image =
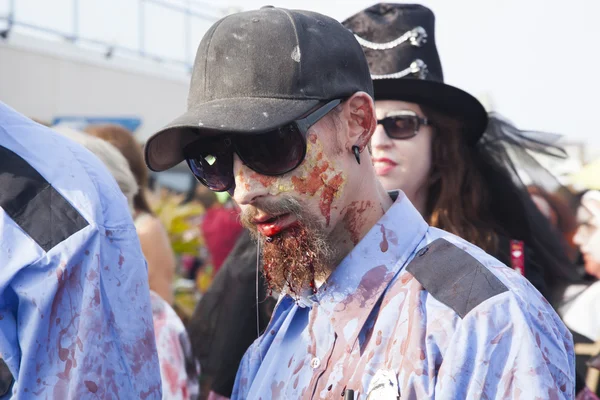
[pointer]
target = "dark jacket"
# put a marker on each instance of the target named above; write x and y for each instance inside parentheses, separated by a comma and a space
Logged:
(223, 325)
(534, 272)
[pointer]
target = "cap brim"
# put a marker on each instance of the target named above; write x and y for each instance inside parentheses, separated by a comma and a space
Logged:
(249, 115)
(445, 98)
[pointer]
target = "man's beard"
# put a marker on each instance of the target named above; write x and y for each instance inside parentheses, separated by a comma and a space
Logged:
(296, 257)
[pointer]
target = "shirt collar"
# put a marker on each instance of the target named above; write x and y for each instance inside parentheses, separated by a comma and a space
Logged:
(353, 289)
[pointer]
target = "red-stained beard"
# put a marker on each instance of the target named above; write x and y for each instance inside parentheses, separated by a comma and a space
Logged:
(297, 257)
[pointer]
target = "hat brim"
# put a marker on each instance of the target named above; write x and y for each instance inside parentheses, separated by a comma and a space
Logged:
(248, 115)
(445, 98)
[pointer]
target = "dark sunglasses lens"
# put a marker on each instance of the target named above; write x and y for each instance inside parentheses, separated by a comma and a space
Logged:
(400, 127)
(273, 153)
(212, 163)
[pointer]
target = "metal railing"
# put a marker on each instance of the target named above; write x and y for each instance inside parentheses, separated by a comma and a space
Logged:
(193, 11)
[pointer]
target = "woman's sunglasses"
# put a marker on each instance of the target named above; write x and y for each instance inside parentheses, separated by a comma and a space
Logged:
(402, 124)
(271, 153)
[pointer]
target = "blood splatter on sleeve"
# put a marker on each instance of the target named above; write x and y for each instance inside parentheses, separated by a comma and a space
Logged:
(84, 321)
(507, 349)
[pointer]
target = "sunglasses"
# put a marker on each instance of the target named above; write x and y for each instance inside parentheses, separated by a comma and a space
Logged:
(273, 153)
(402, 124)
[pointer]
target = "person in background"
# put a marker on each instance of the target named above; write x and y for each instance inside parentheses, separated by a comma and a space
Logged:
(557, 210)
(110, 156)
(153, 237)
(75, 310)
(581, 315)
(230, 316)
(587, 236)
(179, 373)
(224, 323)
(579, 308)
(430, 143)
(220, 226)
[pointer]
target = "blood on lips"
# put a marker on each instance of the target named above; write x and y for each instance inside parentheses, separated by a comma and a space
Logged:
(276, 225)
(271, 229)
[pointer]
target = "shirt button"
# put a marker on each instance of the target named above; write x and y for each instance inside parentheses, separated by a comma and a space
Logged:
(423, 251)
(315, 363)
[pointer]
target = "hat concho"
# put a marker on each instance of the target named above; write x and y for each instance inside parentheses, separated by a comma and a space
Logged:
(417, 67)
(399, 43)
(417, 36)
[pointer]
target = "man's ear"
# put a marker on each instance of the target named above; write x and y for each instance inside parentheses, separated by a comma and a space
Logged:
(359, 111)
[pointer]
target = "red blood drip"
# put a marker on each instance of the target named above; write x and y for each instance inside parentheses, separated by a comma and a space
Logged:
(331, 188)
(353, 218)
(384, 243)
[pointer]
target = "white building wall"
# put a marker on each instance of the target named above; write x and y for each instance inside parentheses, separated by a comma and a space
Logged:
(45, 79)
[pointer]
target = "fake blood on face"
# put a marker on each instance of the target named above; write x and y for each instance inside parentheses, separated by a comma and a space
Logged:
(241, 182)
(264, 180)
(311, 184)
(331, 188)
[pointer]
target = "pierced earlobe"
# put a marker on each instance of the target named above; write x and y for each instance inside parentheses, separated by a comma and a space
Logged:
(356, 151)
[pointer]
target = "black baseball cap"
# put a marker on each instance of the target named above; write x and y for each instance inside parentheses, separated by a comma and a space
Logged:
(258, 70)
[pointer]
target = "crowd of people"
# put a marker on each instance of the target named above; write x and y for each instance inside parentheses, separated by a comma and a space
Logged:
(376, 234)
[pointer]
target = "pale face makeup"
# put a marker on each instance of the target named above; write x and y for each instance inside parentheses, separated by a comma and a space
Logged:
(403, 164)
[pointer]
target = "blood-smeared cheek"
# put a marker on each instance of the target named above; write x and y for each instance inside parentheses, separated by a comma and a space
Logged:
(264, 180)
(242, 182)
(315, 180)
(274, 184)
(323, 179)
(330, 191)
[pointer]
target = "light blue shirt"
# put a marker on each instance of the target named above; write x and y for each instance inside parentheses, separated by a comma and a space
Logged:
(75, 314)
(413, 312)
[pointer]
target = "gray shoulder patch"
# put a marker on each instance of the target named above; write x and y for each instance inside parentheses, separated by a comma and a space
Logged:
(33, 204)
(454, 277)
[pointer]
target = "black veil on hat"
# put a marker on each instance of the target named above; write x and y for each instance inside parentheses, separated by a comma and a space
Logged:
(508, 158)
(399, 43)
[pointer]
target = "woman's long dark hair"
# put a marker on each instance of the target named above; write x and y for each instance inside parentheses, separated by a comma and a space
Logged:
(492, 199)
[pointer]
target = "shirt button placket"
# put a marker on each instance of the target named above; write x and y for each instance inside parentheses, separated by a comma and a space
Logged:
(315, 363)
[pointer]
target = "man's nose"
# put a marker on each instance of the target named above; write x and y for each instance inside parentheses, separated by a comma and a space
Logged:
(247, 190)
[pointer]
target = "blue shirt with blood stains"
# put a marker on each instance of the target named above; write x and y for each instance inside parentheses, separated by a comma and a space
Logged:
(76, 320)
(374, 329)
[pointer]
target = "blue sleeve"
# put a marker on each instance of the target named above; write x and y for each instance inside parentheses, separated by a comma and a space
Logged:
(81, 317)
(504, 349)
(253, 358)
(246, 373)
